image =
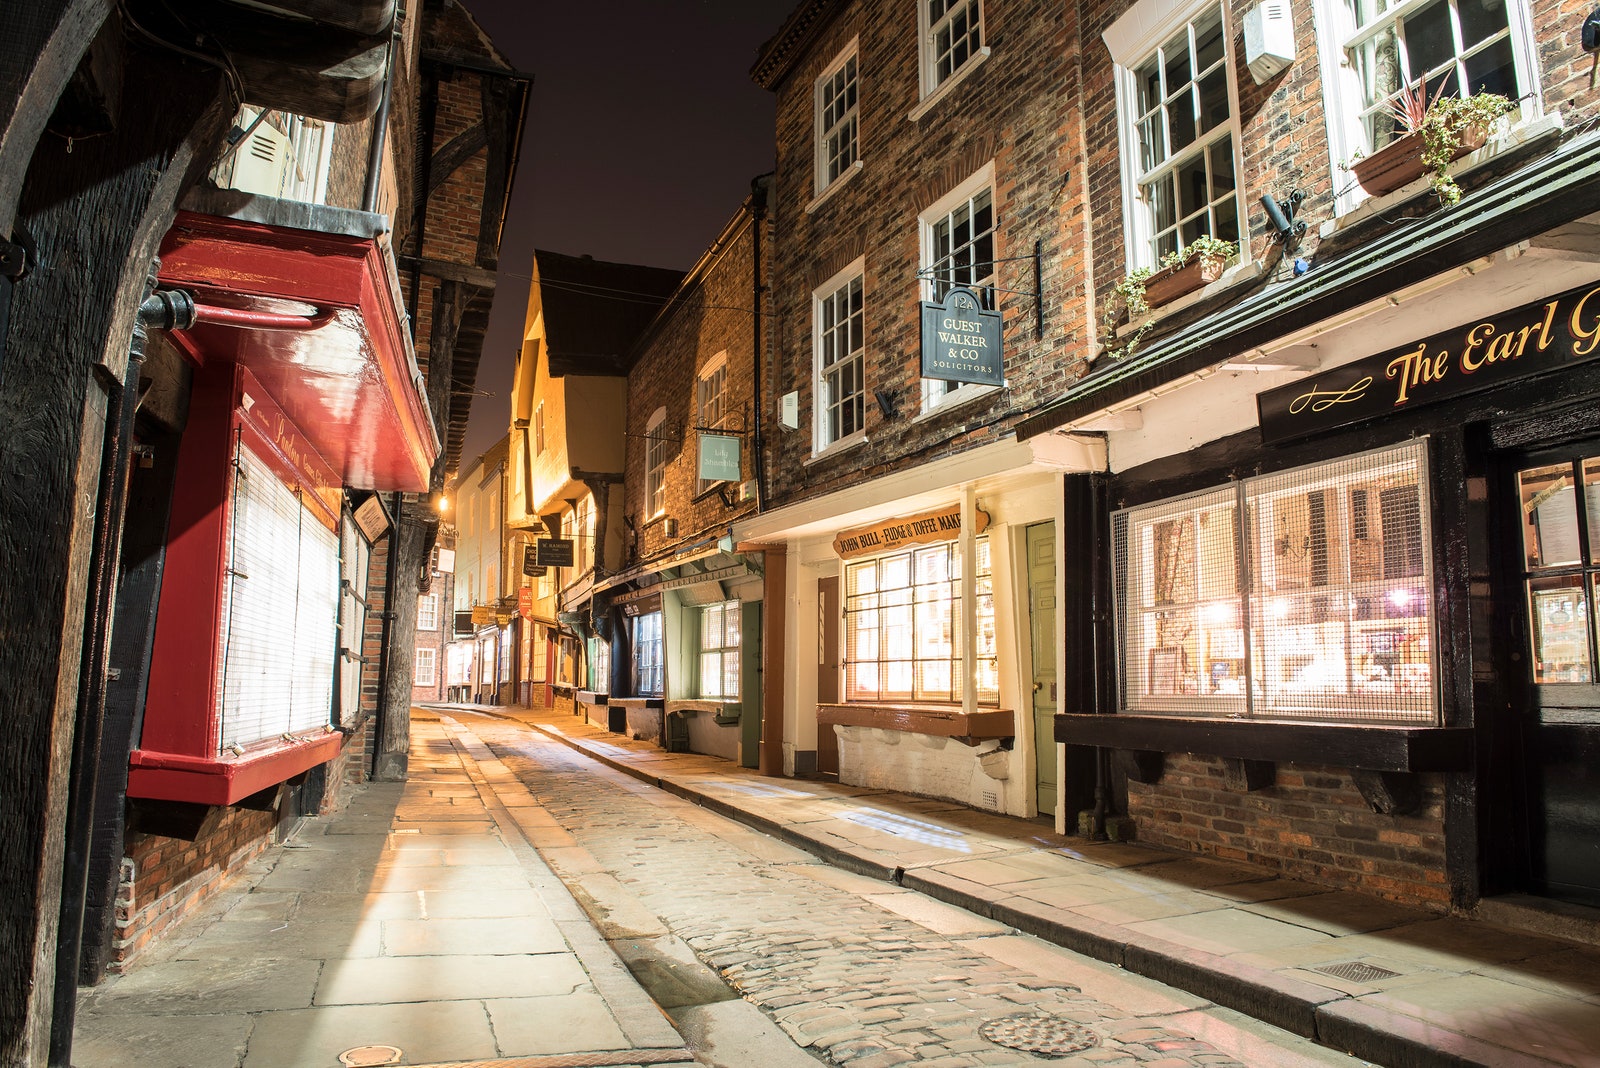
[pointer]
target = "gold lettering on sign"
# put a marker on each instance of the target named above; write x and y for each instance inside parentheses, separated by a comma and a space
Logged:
(1588, 337)
(1320, 400)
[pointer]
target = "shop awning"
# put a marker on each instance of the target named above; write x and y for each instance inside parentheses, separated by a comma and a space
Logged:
(306, 297)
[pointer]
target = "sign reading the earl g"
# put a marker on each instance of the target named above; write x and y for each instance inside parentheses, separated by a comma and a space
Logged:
(1526, 341)
(961, 341)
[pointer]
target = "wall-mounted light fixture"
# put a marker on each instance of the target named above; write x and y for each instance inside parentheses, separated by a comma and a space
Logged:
(885, 399)
(1287, 230)
(669, 528)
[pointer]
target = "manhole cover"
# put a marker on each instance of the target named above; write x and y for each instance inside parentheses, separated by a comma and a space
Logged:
(368, 1056)
(1356, 972)
(1035, 1032)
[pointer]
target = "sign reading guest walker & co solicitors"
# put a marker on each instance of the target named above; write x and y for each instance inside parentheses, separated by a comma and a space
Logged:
(1559, 332)
(941, 525)
(961, 341)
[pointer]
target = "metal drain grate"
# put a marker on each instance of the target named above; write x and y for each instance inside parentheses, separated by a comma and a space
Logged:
(1356, 972)
(1035, 1032)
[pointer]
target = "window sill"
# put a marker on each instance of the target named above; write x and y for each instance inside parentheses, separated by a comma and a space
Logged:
(960, 398)
(838, 183)
(723, 712)
(591, 697)
(930, 101)
(1360, 746)
(843, 445)
(1516, 136)
(635, 702)
(227, 780)
(936, 720)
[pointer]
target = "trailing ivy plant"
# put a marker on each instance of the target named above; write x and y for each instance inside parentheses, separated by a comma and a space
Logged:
(1443, 123)
(1128, 296)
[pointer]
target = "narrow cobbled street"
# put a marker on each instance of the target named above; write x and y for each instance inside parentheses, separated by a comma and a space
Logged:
(857, 971)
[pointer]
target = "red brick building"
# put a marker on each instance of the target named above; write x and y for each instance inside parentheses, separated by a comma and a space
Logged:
(1291, 562)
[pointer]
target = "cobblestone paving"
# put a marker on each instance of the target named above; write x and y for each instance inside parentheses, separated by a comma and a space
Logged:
(858, 985)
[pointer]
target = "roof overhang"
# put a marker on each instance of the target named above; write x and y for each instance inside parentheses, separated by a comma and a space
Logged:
(335, 355)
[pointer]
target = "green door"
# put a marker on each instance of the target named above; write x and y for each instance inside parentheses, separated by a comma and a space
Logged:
(1042, 630)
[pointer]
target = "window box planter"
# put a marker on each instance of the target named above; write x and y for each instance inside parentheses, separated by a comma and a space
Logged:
(1400, 163)
(1170, 283)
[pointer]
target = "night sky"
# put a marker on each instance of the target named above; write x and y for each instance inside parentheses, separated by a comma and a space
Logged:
(644, 131)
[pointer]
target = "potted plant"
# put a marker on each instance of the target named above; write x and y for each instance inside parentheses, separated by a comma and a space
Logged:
(1180, 272)
(1435, 133)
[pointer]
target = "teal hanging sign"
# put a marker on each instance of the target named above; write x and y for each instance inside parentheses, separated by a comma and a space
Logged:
(961, 341)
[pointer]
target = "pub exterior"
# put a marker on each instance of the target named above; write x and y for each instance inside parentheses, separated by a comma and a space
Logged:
(1349, 628)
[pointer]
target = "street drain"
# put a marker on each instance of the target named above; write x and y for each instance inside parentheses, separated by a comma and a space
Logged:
(369, 1056)
(1036, 1032)
(1356, 972)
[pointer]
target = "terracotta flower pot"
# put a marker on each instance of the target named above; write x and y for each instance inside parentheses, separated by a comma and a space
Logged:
(1399, 162)
(1170, 283)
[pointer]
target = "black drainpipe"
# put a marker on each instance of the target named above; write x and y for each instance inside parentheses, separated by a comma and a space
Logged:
(758, 212)
(111, 497)
(388, 614)
(380, 127)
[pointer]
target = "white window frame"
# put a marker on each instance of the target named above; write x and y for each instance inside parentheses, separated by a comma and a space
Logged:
(822, 298)
(1133, 39)
(876, 613)
(929, 28)
(937, 394)
(838, 142)
(711, 405)
(655, 464)
(717, 670)
(1341, 79)
(425, 670)
(428, 611)
(649, 654)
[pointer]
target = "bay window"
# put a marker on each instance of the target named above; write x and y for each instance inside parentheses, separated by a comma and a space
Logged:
(1302, 594)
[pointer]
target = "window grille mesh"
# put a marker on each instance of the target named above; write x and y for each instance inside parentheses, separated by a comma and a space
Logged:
(719, 650)
(1318, 605)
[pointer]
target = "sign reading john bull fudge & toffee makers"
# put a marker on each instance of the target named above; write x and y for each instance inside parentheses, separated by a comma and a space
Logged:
(943, 524)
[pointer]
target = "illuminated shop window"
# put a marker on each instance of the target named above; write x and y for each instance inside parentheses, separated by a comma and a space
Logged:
(1560, 514)
(647, 654)
(1304, 594)
(903, 638)
(719, 650)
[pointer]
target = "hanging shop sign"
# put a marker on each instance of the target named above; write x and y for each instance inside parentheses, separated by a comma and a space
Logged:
(482, 615)
(463, 622)
(961, 341)
(553, 552)
(530, 563)
(371, 518)
(941, 525)
(719, 458)
(525, 602)
(1526, 341)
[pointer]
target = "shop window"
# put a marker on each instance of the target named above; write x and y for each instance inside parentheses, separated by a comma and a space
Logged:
(599, 665)
(837, 120)
(958, 249)
(1303, 594)
(458, 660)
(1179, 127)
(719, 650)
(840, 359)
(424, 672)
(903, 638)
(504, 675)
(355, 554)
(647, 654)
(952, 39)
(1561, 568)
(428, 612)
(279, 630)
(1453, 47)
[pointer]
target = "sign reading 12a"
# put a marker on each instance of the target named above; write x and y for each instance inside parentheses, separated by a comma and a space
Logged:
(961, 341)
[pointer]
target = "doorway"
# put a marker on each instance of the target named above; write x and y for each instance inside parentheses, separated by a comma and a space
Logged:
(1041, 540)
(1548, 504)
(827, 670)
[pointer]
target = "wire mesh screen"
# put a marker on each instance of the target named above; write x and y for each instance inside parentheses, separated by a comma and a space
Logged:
(1302, 594)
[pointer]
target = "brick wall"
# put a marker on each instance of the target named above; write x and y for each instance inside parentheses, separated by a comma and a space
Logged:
(166, 879)
(714, 317)
(1017, 109)
(1311, 824)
